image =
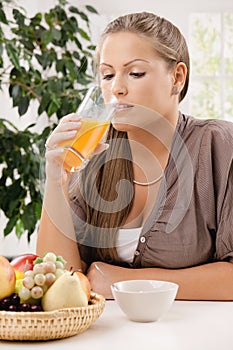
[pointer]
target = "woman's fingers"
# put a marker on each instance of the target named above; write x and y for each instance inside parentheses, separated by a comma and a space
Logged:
(57, 138)
(65, 130)
(70, 118)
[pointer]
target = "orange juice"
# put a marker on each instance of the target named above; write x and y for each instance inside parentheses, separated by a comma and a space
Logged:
(81, 147)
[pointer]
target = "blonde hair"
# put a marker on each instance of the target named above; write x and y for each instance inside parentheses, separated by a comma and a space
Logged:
(115, 164)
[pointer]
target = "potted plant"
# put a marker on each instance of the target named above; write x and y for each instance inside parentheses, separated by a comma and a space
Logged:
(46, 58)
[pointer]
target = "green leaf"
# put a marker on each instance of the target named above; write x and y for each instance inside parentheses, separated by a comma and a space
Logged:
(91, 47)
(43, 59)
(13, 55)
(91, 9)
(16, 73)
(23, 105)
(84, 16)
(10, 225)
(16, 93)
(14, 191)
(38, 261)
(52, 108)
(60, 13)
(83, 65)
(38, 210)
(61, 66)
(76, 55)
(78, 43)
(13, 205)
(74, 9)
(36, 20)
(71, 67)
(19, 228)
(72, 25)
(44, 103)
(19, 17)
(3, 17)
(27, 44)
(62, 2)
(56, 34)
(28, 217)
(84, 35)
(47, 37)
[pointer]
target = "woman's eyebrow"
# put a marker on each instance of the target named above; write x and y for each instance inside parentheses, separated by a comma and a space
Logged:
(135, 60)
(126, 64)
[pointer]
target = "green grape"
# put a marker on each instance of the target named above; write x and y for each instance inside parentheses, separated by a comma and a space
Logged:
(39, 268)
(50, 278)
(28, 282)
(29, 273)
(59, 265)
(39, 279)
(24, 293)
(50, 267)
(37, 292)
(50, 257)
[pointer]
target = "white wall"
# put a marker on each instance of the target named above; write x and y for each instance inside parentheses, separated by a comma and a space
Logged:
(177, 11)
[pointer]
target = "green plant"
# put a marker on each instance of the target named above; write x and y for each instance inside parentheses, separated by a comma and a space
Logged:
(48, 59)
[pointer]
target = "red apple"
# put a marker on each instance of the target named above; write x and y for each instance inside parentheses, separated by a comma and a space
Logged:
(7, 278)
(85, 283)
(22, 263)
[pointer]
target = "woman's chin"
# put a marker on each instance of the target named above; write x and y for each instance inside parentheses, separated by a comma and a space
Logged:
(122, 126)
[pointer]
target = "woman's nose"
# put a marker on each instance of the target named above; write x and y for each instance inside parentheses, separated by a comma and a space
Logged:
(119, 88)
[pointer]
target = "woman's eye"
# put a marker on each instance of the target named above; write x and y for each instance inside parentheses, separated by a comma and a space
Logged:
(107, 76)
(137, 74)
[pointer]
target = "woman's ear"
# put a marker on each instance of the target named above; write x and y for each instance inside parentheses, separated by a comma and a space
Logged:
(179, 78)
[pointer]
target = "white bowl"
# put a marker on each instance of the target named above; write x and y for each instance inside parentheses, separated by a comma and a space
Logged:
(144, 300)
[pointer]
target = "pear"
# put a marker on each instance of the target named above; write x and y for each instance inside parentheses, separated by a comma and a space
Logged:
(66, 291)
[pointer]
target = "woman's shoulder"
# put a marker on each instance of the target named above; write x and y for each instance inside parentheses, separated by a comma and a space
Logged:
(210, 128)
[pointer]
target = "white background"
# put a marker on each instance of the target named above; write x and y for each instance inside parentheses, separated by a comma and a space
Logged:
(177, 11)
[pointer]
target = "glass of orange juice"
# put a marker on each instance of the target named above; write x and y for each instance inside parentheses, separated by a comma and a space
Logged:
(95, 120)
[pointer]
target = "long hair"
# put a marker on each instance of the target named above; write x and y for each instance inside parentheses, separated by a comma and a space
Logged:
(107, 181)
(105, 186)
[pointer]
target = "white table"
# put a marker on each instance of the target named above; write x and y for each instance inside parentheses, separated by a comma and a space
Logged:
(190, 325)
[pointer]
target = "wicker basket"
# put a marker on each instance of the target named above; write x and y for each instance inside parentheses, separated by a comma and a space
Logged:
(50, 325)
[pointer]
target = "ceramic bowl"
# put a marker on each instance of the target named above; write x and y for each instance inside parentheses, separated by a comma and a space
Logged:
(144, 300)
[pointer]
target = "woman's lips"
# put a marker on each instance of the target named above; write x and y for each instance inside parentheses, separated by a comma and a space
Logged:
(122, 107)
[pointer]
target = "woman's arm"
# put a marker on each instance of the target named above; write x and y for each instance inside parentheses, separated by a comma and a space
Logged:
(213, 281)
(56, 231)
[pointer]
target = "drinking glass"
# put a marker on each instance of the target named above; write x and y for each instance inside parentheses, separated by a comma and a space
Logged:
(95, 119)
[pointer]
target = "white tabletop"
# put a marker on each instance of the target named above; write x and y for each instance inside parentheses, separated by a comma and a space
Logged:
(190, 325)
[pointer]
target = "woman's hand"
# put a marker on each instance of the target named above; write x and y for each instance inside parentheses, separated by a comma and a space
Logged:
(101, 284)
(65, 131)
(60, 137)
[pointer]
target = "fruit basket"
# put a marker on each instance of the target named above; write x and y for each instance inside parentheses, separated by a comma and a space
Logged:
(48, 325)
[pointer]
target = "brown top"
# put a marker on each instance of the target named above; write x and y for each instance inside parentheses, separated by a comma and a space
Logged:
(192, 220)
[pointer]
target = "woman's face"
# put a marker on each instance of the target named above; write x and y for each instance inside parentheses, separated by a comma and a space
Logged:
(131, 71)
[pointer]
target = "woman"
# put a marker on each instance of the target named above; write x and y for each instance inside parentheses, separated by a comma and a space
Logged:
(156, 204)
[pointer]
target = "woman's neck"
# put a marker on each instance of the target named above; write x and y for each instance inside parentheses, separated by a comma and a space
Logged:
(150, 148)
